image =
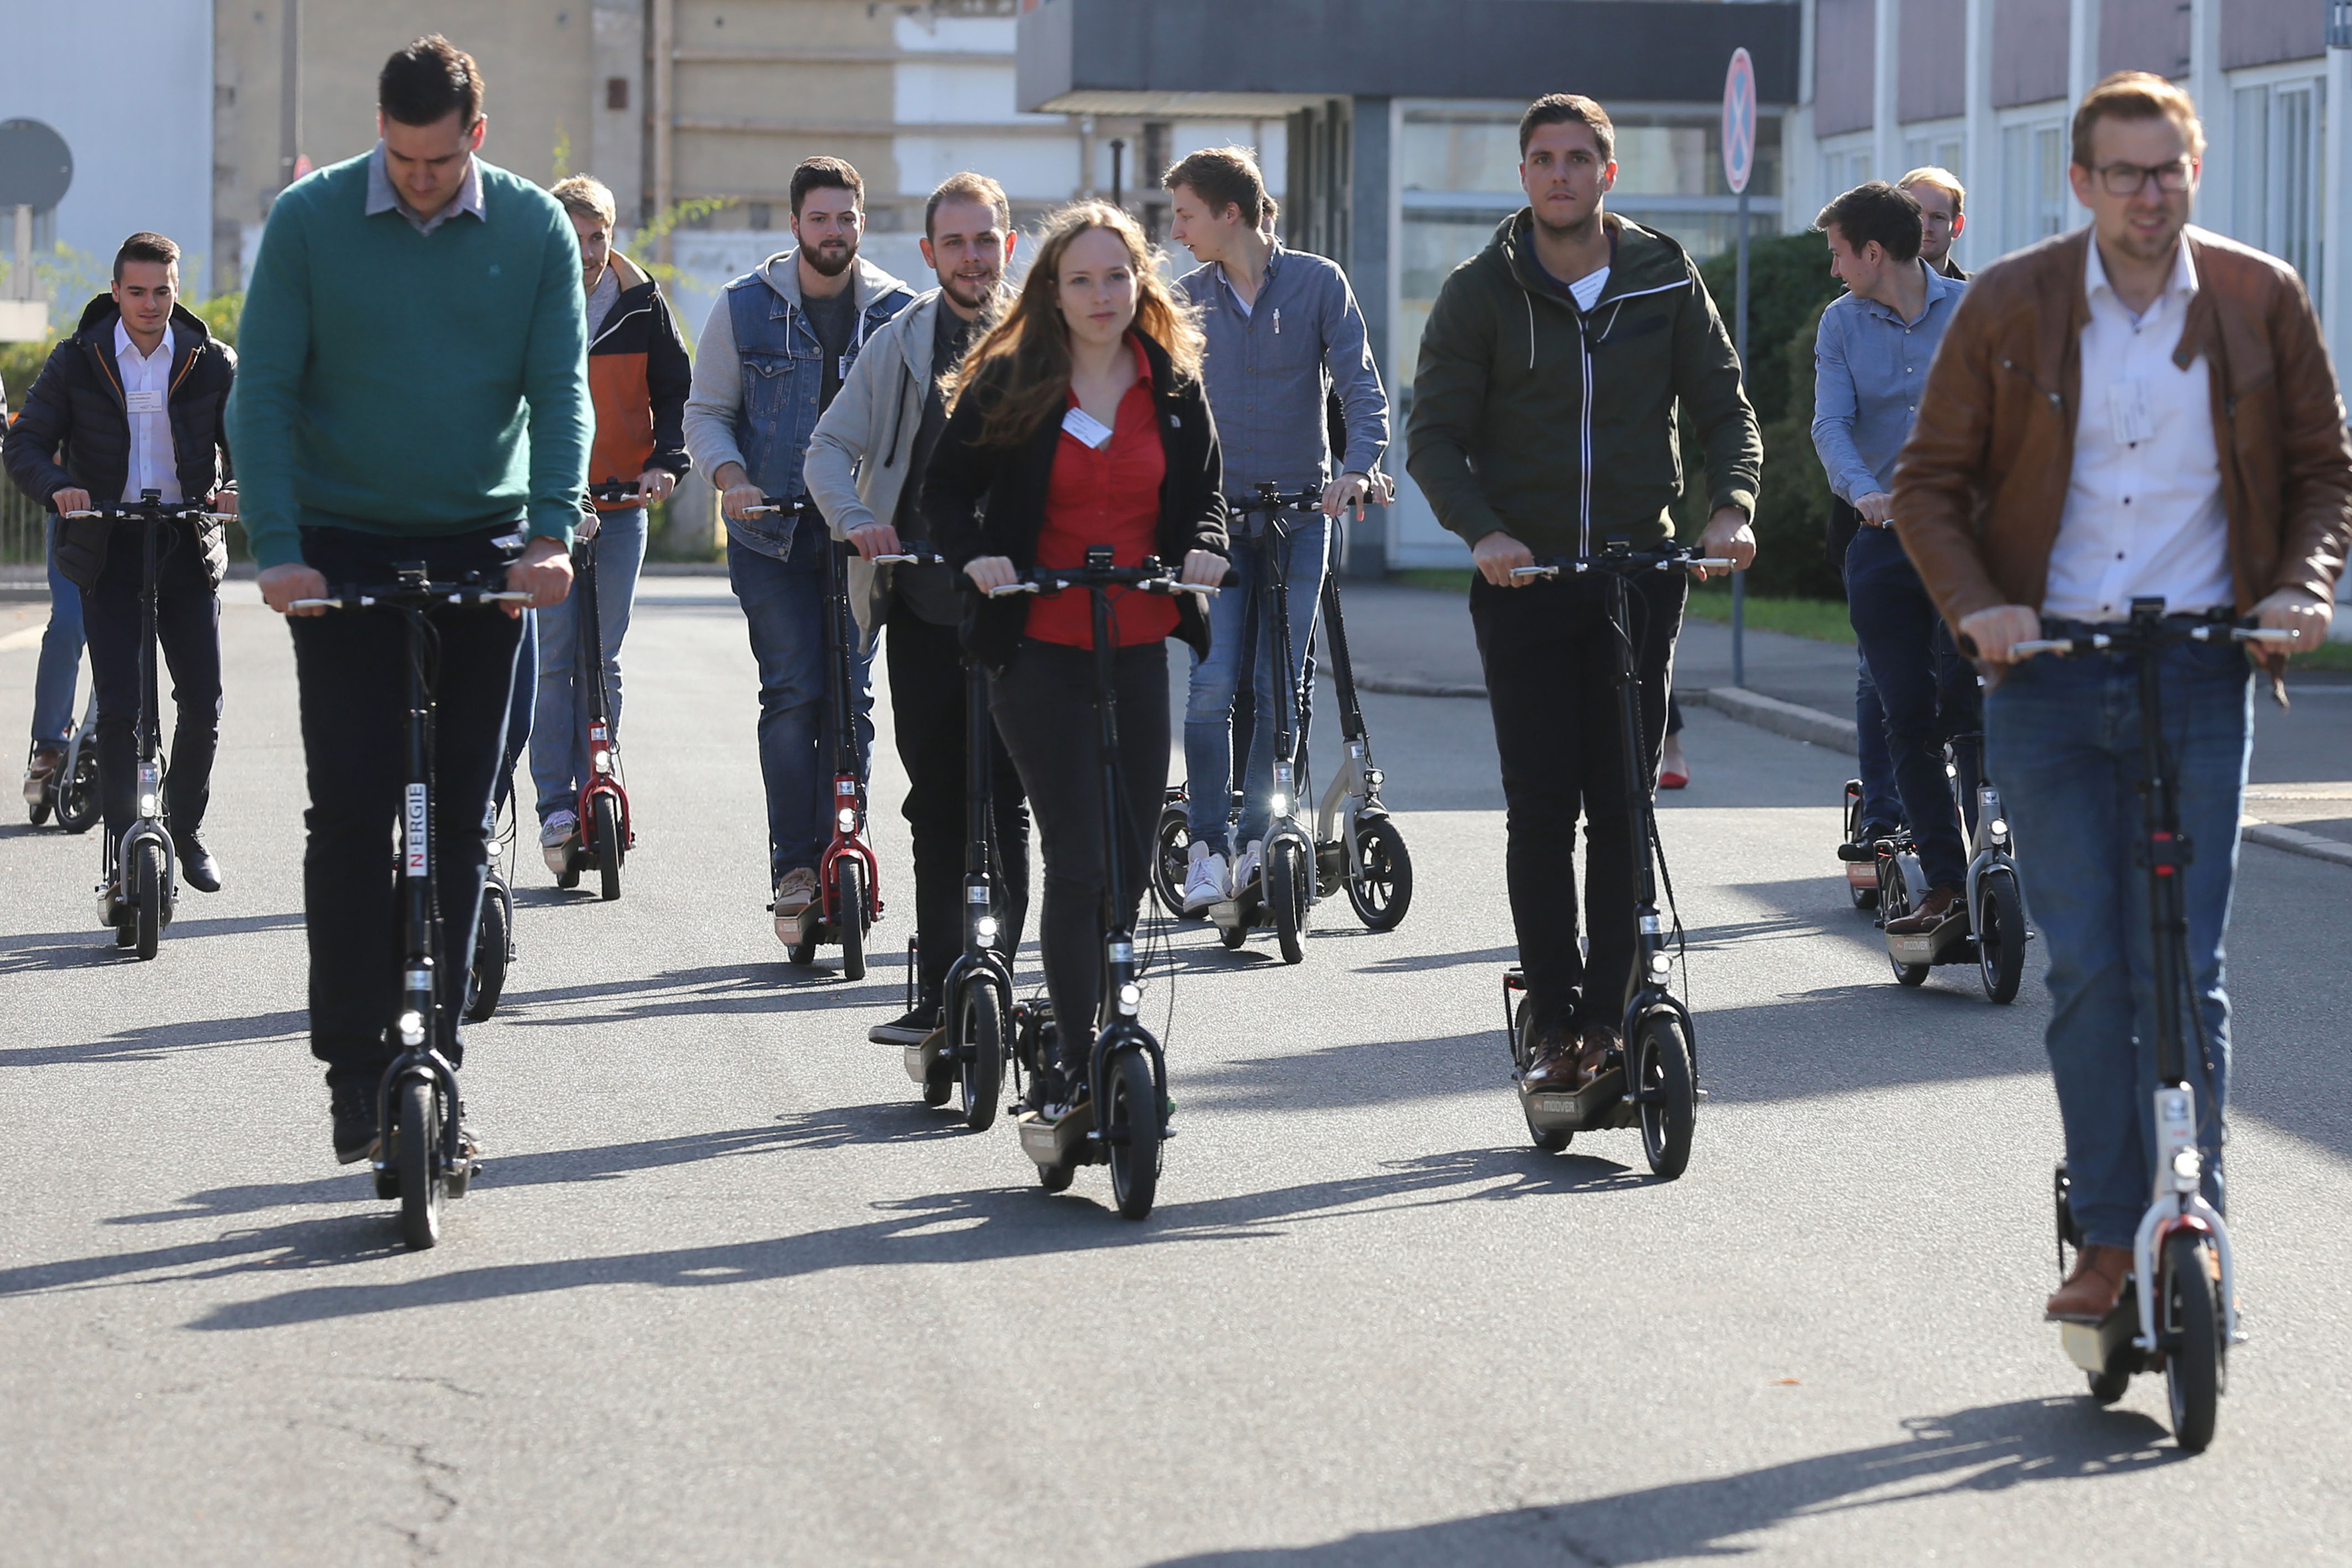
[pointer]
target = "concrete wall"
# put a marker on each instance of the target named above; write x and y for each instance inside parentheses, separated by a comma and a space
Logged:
(137, 165)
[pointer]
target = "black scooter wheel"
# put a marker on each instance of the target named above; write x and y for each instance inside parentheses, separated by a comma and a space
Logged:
(1055, 1178)
(1286, 897)
(2001, 936)
(147, 888)
(1132, 1132)
(1895, 902)
(853, 911)
(2108, 1386)
(1383, 891)
(979, 1051)
(2195, 1371)
(1169, 866)
(77, 802)
(487, 981)
(1669, 1093)
(417, 1155)
(1233, 935)
(37, 811)
(607, 827)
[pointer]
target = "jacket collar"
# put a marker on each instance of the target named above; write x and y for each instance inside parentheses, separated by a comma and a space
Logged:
(1646, 261)
(95, 330)
(868, 284)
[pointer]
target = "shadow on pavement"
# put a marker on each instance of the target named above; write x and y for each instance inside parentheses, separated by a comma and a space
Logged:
(1988, 1450)
(155, 1042)
(95, 946)
(1015, 1223)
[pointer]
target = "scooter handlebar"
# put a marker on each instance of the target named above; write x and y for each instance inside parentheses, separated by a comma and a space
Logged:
(364, 598)
(1656, 561)
(2098, 641)
(1144, 580)
(137, 513)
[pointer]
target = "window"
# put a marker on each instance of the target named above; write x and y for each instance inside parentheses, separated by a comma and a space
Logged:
(1940, 151)
(2033, 190)
(2277, 162)
(1841, 172)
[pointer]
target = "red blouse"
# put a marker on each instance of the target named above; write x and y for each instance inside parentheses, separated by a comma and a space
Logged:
(1106, 495)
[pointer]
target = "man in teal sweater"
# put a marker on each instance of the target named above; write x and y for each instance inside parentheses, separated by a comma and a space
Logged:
(417, 391)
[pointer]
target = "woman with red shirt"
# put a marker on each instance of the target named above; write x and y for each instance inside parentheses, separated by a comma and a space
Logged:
(1078, 422)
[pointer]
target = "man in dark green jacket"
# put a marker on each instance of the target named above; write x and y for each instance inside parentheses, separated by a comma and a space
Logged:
(1543, 425)
(414, 388)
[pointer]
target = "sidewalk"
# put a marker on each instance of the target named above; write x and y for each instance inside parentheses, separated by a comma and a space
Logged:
(1418, 642)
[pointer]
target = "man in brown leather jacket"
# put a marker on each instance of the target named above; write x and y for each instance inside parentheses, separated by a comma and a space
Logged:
(2140, 409)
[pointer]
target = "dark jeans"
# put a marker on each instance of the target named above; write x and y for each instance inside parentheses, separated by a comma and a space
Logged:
(187, 625)
(927, 707)
(2064, 739)
(1548, 654)
(352, 669)
(1043, 704)
(784, 606)
(1927, 690)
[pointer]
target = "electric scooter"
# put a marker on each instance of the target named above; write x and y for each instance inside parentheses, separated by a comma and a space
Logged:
(1124, 1120)
(139, 887)
(849, 887)
(607, 832)
(424, 1154)
(1858, 858)
(2175, 1315)
(969, 1048)
(1356, 845)
(494, 940)
(1653, 1079)
(1988, 928)
(72, 792)
(1285, 888)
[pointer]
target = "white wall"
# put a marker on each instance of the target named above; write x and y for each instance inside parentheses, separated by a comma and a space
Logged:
(139, 163)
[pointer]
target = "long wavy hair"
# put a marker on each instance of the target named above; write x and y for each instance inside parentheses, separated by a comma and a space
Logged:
(1024, 353)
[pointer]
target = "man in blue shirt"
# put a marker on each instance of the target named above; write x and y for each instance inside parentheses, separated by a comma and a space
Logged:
(1869, 362)
(1285, 337)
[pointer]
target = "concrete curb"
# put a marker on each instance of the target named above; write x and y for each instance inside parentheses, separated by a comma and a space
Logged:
(2295, 841)
(1402, 686)
(1789, 719)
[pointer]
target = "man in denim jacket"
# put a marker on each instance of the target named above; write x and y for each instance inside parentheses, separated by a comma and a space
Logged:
(777, 347)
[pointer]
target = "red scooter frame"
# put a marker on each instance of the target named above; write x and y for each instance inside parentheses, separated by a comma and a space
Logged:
(606, 831)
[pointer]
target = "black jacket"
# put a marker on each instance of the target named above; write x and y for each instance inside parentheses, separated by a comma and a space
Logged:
(991, 501)
(75, 412)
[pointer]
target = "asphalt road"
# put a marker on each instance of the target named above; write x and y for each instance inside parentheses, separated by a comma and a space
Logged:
(727, 1293)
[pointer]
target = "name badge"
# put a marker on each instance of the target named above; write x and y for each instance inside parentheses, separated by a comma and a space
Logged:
(2128, 411)
(1089, 430)
(149, 401)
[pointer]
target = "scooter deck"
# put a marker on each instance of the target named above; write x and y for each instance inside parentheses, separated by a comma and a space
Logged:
(2097, 1347)
(1598, 1105)
(928, 1057)
(1863, 875)
(1951, 943)
(1063, 1143)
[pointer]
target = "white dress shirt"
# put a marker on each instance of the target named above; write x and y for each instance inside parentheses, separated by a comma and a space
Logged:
(2143, 515)
(146, 397)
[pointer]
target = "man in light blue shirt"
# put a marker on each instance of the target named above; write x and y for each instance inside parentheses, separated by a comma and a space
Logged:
(1870, 361)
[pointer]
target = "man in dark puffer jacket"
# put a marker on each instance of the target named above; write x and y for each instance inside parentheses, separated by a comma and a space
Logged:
(132, 401)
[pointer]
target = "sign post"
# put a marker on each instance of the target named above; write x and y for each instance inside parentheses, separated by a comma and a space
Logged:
(1738, 164)
(36, 170)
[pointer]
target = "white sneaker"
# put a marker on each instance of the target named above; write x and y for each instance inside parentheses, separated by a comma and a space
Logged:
(555, 837)
(1247, 868)
(1210, 880)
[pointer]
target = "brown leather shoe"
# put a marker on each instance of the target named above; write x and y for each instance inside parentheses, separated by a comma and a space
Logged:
(1940, 905)
(2092, 1291)
(1600, 1042)
(1553, 1069)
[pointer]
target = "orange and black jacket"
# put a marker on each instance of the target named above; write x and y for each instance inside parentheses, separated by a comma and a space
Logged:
(74, 431)
(637, 377)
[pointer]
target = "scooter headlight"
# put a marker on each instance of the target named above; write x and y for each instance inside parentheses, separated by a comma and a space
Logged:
(2187, 1168)
(1281, 803)
(1130, 998)
(1999, 829)
(985, 928)
(1658, 963)
(146, 805)
(412, 1029)
(848, 817)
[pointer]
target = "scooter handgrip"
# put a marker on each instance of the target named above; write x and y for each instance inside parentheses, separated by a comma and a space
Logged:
(762, 510)
(2261, 634)
(1001, 589)
(90, 513)
(316, 604)
(1535, 570)
(2029, 647)
(1713, 563)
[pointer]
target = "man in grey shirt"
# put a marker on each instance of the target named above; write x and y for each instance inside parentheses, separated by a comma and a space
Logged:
(1285, 335)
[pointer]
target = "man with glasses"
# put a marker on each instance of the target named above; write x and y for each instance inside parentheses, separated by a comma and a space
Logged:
(2137, 409)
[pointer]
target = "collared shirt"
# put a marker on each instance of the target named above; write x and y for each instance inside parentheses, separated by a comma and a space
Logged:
(1869, 368)
(146, 399)
(2143, 515)
(384, 196)
(1271, 365)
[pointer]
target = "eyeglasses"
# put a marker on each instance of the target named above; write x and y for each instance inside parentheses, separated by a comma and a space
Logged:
(2127, 179)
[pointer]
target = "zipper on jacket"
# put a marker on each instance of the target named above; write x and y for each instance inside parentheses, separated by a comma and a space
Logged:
(617, 324)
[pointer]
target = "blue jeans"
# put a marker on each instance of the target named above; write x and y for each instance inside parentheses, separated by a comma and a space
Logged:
(53, 682)
(1216, 679)
(1882, 808)
(1928, 693)
(522, 697)
(558, 724)
(785, 608)
(2064, 739)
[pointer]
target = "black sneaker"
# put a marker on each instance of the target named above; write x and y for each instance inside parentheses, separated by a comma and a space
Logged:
(1866, 848)
(910, 1028)
(355, 1129)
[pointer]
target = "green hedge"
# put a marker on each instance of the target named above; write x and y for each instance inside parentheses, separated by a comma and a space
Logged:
(1789, 286)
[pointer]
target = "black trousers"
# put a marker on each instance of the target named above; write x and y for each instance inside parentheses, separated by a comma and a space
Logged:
(1548, 652)
(927, 706)
(1043, 704)
(187, 625)
(352, 667)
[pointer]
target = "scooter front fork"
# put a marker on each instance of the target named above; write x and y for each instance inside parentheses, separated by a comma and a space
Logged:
(2180, 1205)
